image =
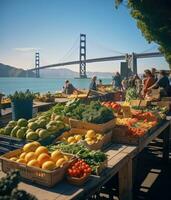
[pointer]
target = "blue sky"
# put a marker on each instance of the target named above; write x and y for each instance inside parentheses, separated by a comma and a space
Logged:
(53, 26)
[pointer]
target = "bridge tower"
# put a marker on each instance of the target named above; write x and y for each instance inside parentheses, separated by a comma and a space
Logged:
(83, 56)
(37, 64)
(131, 59)
(134, 63)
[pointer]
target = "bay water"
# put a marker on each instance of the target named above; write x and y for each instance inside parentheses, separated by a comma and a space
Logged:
(10, 85)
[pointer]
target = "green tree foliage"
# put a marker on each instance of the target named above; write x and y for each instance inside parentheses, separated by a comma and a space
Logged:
(154, 20)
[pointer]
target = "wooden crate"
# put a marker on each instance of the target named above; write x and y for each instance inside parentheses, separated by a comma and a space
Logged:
(33, 174)
(120, 135)
(101, 128)
(166, 99)
(166, 104)
(100, 145)
(140, 103)
(102, 166)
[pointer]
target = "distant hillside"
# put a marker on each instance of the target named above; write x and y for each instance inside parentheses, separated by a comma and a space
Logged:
(67, 73)
(58, 73)
(9, 71)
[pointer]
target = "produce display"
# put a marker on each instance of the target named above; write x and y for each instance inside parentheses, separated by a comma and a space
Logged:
(79, 169)
(93, 158)
(8, 188)
(79, 96)
(71, 152)
(154, 111)
(34, 129)
(113, 105)
(137, 126)
(48, 97)
(60, 95)
(35, 155)
(107, 88)
(5, 100)
(93, 112)
(90, 137)
(132, 94)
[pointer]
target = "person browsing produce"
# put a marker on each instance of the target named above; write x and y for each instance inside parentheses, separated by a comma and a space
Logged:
(148, 82)
(117, 81)
(93, 84)
(69, 88)
(163, 84)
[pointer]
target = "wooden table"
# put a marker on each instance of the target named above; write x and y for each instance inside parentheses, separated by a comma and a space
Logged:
(164, 128)
(119, 161)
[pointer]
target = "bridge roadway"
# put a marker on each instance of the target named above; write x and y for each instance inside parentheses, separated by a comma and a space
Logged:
(112, 58)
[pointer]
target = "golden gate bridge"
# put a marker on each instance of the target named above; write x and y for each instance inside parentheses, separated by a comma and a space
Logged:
(130, 60)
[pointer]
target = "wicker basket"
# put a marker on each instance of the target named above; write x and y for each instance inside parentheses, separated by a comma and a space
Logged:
(102, 128)
(33, 174)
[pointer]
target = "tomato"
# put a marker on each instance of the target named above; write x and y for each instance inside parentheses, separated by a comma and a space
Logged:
(73, 167)
(71, 172)
(89, 170)
(77, 164)
(79, 169)
(74, 172)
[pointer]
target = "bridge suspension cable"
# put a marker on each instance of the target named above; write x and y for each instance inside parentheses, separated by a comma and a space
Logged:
(74, 46)
(149, 49)
(102, 46)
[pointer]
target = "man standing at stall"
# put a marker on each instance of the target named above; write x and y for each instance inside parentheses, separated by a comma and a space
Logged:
(117, 81)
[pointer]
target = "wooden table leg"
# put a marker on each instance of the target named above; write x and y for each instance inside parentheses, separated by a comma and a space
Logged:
(166, 143)
(125, 181)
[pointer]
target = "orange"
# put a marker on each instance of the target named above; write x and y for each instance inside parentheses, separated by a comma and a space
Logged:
(56, 155)
(37, 144)
(30, 156)
(49, 165)
(40, 150)
(23, 155)
(60, 162)
(20, 160)
(29, 147)
(43, 157)
(33, 163)
(13, 159)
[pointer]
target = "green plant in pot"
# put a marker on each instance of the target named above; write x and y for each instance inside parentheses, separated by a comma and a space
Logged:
(22, 104)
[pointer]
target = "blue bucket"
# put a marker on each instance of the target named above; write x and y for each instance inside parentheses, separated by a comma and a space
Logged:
(22, 109)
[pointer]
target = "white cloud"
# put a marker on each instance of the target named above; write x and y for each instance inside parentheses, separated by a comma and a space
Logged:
(26, 49)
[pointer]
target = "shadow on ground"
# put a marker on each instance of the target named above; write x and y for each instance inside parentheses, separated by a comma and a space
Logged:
(152, 180)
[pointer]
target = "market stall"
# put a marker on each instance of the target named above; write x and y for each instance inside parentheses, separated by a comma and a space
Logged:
(87, 143)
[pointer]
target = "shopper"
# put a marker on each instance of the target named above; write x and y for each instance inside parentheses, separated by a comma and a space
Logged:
(154, 74)
(148, 82)
(163, 84)
(100, 82)
(93, 84)
(68, 88)
(117, 81)
(124, 84)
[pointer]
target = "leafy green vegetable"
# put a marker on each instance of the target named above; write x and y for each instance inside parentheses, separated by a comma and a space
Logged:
(21, 96)
(93, 112)
(93, 158)
(132, 94)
